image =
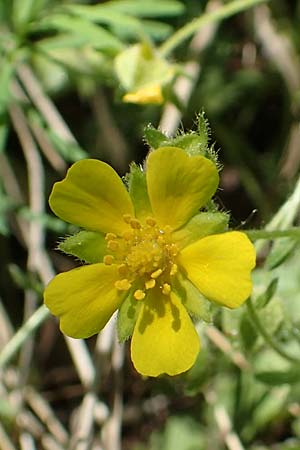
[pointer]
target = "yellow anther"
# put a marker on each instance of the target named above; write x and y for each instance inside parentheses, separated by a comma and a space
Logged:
(167, 229)
(122, 285)
(110, 236)
(135, 224)
(139, 294)
(122, 269)
(127, 235)
(174, 269)
(156, 273)
(150, 284)
(127, 218)
(113, 245)
(166, 289)
(108, 260)
(173, 249)
(151, 221)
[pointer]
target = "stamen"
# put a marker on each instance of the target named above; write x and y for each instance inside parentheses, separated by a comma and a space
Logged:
(156, 273)
(108, 260)
(110, 236)
(166, 289)
(135, 224)
(174, 269)
(113, 245)
(122, 285)
(150, 284)
(127, 218)
(139, 294)
(122, 269)
(151, 221)
(127, 235)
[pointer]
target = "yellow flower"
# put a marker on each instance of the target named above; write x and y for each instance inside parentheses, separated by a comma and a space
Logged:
(148, 94)
(155, 251)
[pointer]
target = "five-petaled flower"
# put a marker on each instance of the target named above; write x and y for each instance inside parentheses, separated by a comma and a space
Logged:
(157, 250)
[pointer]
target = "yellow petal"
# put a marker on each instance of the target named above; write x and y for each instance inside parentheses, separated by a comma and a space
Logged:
(84, 299)
(220, 267)
(179, 184)
(145, 95)
(92, 196)
(164, 338)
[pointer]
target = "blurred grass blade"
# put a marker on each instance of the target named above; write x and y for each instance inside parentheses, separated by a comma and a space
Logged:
(148, 8)
(94, 35)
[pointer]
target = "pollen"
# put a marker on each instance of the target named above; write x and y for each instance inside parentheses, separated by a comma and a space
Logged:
(123, 285)
(174, 269)
(166, 289)
(157, 273)
(139, 294)
(150, 284)
(108, 260)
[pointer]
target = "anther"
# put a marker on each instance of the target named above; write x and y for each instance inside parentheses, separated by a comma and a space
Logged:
(156, 273)
(174, 269)
(113, 245)
(127, 235)
(108, 260)
(149, 284)
(122, 285)
(110, 236)
(139, 294)
(135, 224)
(122, 269)
(166, 289)
(127, 218)
(151, 221)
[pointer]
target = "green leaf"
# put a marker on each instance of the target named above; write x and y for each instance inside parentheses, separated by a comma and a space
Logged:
(6, 73)
(277, 378)
(201, 225)
(196, 304)
(24, 11)
(70, 151)
(263, 299)
(147, 8)
(88, 246)
(281, 250)
(137, 186)
(94, 35)
(127, 317)
(248, 333)
(3, 135)
(155, 138)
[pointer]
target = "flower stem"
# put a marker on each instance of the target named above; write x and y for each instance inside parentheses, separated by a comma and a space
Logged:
(270, 341)
(255, 235)
(189, 29)
(22, 334)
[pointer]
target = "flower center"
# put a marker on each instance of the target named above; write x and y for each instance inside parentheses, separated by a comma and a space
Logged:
(145, 255)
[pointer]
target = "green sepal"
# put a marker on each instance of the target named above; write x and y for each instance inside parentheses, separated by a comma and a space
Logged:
(127, 317)
(137, 186)
(196, 304)
(155, 138)
(88, 246)
(201, 225)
